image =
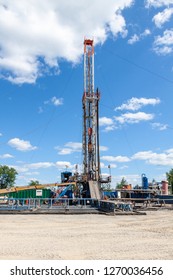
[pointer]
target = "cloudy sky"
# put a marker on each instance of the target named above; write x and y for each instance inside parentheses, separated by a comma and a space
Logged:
(41, 86)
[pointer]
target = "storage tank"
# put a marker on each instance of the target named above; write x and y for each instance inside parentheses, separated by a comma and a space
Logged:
(144, 182)
(165, 187)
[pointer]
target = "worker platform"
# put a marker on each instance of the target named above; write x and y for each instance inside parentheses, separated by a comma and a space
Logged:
(60, 206)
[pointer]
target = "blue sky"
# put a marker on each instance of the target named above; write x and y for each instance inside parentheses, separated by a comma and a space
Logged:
(41, 86)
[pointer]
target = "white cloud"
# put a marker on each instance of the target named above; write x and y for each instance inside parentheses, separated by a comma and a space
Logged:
(104, 121)
(117, 24)
(76, 146)
(39, 165)
(163, 50)
(163, 159)
(57, 101)
(69, 148)
(134, 117)
(109, 128)
(169, 151)
(0, 134)
(6, 156)
(166, 39)
(36, 35)
(163, 17)
(123, 167)
(158, 3)
(102, 165)
(65, 151)
(108, 124)
(63, 164)
(136, 38)
(32, 173)
(146, 33)
(20, 169)
(159, 126)
(21, 145)
(103, 148)
(113, 165)
(144, 155)
(164, 44)
(137, 103)
(54, 100)
(25, 168)
(72, 147)
(115, 159)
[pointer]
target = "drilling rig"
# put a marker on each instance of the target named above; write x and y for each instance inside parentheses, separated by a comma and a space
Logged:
(90, 139)
(90, 101)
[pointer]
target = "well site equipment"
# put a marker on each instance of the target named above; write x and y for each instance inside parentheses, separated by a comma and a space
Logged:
(79, 191)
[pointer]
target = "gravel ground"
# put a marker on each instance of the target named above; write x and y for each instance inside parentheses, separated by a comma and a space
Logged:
(87, 237)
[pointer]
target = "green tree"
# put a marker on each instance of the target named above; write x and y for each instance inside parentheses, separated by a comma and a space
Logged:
(121, 184)
(33, 183)
(169, 176)
(7, 176)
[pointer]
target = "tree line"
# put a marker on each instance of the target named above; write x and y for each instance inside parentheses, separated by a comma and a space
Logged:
(8, 178)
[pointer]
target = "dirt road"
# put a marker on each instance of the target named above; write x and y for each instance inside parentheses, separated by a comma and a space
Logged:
(87, 237)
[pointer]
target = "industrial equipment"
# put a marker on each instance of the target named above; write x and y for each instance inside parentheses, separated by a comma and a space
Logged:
(65, 176)
(91, 177)
(90, 101)
(144, 181)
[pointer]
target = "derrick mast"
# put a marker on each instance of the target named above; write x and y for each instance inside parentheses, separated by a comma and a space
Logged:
(90, 141)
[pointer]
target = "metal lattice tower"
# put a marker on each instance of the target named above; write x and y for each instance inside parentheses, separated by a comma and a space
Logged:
(90, 143)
